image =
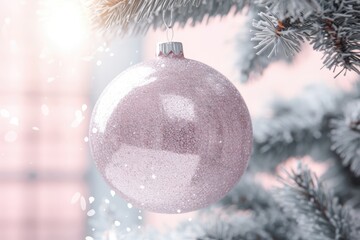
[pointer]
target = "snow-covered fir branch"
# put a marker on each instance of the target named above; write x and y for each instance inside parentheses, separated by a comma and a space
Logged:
(316, 210)
(335, 32)
(293, 9)
(251, 64)
(346, 136)
(334, 29)
(343, 182)
(248, 195)
(118, 17)
(276, 36)
(296, 128)
(268, 225)
(300, 127)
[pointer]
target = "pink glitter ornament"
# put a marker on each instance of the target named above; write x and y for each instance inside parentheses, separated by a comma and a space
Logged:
(172, 134)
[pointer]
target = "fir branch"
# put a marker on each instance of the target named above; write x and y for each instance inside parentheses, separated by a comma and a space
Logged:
(271, 222)
(240, 227)
(293, 9)
(317, 212)
(346, 137)
(250, 63)
(336, 31)
(276, 36)
(248, 195)
(278, 225)
(297, 128)
(122, 17)
(343, 182)
(267, 225)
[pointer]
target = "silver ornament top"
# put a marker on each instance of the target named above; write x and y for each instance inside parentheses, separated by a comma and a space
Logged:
(165, 48)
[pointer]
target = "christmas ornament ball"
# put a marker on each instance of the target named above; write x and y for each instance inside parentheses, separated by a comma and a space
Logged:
(171, 135)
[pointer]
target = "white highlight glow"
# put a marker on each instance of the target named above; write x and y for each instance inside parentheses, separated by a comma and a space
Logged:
(119, 89)
(14, 121)
(84, 107)
(178, 107)
(64, 24)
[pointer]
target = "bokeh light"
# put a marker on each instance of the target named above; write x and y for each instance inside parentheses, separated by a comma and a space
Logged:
(64, 24)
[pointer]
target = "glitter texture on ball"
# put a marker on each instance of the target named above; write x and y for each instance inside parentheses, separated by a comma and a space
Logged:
(171, 135)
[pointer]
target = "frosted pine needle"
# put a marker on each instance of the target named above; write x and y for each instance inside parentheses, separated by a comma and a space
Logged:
(345, 137)
(318, 213)
(273, 35)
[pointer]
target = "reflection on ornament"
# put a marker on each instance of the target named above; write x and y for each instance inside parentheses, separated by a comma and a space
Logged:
(172, 134)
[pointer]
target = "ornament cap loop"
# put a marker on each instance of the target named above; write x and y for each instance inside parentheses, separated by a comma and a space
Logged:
(170, 49)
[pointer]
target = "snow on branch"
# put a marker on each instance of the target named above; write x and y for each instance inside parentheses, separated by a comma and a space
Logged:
(270, 33)
(294, 9)
(249, 195)
(346, 137)
(343, 182)
(296, 128)
(318, 213)
(266, 224)
(122, 17)
(334, 30)
(332, 27)
(251, 64)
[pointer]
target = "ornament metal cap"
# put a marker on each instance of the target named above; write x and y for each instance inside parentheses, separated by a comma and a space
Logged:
(165, 48)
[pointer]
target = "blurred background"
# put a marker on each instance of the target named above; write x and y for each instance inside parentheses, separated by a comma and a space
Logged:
(52, 70)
